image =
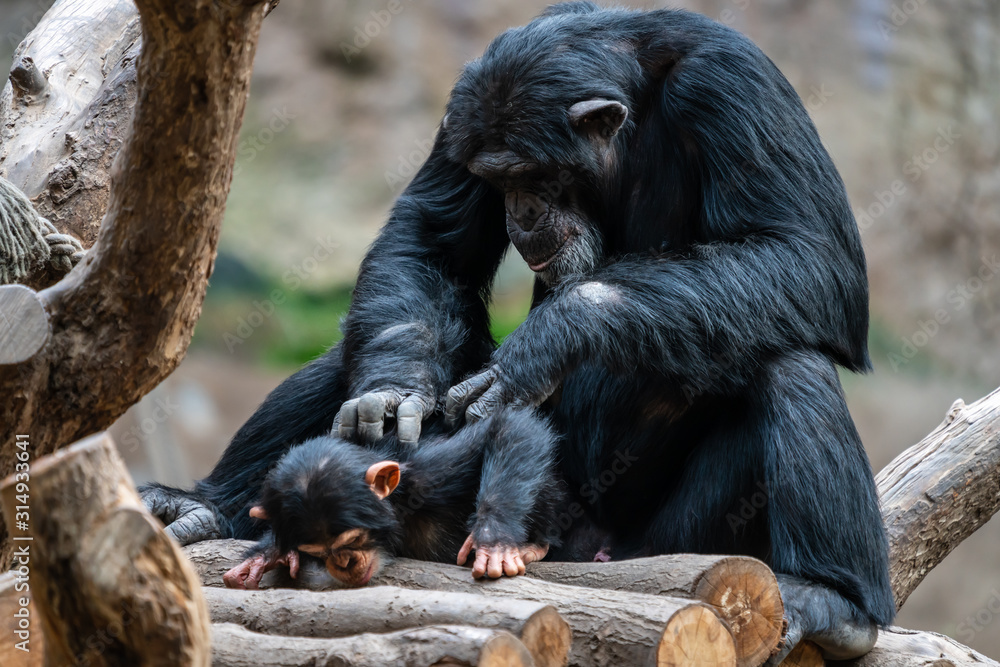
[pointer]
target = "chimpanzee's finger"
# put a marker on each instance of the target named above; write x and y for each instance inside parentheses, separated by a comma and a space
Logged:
(494, 570)
(257, 569)
(521, 569)
(464, 393)
(235, 577)
(509, 563)
(487, 404)
(409, 417)
(373, 408)
(467, 547)
(348, 419)
(293, 564)
(482, 560)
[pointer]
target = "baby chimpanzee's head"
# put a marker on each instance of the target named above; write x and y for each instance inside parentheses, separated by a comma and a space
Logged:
(327, 498)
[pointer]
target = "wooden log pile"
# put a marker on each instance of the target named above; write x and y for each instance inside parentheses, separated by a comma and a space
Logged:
(98, 561)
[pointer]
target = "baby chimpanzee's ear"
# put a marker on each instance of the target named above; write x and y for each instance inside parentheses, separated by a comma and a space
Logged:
(383, 478)
(257, 512)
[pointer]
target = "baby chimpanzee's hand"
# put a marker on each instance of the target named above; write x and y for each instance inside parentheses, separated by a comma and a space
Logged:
(247, 575)
(497, 560)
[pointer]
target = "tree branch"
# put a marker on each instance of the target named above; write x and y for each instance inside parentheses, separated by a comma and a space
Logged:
(132, 303)
(940, 491)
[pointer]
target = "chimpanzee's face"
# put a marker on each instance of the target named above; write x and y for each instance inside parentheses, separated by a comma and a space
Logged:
(547, 219)
(540, 130)
(352, 558)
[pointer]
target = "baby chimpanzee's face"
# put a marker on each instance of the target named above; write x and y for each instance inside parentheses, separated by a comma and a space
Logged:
(352, 558)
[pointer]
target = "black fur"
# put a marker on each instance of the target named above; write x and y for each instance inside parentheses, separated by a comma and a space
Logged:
(494, 479)
(696, 362)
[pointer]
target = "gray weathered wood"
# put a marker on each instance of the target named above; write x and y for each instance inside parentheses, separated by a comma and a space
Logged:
(24, 324)
(388, 609)
(609, 627)
(897, 647)
(940, 491)
(66, 111)
(235, 646)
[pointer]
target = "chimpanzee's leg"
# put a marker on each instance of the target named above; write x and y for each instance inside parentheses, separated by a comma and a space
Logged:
(783, 476)
(828, 543)
(302, 407)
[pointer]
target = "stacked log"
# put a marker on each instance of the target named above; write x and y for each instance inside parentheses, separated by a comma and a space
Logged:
(654, 611)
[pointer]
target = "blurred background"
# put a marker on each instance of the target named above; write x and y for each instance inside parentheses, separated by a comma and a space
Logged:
(346, 99)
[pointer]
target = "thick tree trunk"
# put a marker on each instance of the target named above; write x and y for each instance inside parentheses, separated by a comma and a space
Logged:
(122, 320)
(67, 109)
(940, 491)
(743, 591)
(110, 587)
(386, 609)
(235, 646)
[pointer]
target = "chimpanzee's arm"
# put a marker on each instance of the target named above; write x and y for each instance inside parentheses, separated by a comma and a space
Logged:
(419, 319)
(706, 319)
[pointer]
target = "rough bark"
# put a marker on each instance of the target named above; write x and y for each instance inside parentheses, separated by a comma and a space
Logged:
(897, 647)
(609, 627)
(134, 300)
(940, 491)
(743, 591)
(110, 587)
(387, 609)
(66, 110)
(235, 646)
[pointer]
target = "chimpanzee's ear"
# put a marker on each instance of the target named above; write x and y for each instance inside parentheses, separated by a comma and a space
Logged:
(599, 119)
(257, 512)
(383, 478)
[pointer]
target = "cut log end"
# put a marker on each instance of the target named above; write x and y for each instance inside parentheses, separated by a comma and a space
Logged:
(503, 650)
(24, 324)
(696, 636)
(806, 654)
(547, 637)
(744, 592)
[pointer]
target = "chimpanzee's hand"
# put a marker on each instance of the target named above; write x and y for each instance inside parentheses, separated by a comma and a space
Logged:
(364, 418)
(497, 560)
(247, 575)
(483, 394)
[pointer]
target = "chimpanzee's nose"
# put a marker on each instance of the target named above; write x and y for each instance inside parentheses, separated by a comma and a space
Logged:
(525, 209)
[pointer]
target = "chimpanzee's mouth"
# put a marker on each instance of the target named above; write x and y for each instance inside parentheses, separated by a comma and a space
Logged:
(540, 265)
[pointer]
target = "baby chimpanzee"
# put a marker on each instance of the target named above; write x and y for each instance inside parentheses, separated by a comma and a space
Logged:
(491, 486)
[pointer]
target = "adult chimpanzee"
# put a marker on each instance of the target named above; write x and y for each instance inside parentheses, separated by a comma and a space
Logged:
(700, 274)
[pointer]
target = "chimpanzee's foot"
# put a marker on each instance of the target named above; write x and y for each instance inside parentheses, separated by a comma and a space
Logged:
(247, 575)
(821, 615)
(497, 560)
(187, 519)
